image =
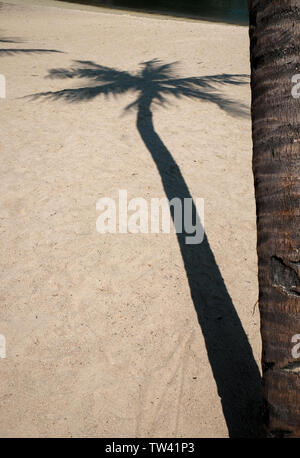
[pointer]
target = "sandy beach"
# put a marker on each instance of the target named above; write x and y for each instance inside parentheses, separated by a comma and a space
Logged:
(104, 335)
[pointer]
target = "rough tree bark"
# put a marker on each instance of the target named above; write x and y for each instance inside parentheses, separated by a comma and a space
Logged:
(275, 58)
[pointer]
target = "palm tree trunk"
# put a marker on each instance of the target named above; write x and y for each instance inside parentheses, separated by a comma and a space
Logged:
(233, 366)
(274, 48)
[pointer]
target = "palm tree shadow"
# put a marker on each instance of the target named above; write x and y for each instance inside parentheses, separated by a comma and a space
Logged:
(12, 51)
(233, 365)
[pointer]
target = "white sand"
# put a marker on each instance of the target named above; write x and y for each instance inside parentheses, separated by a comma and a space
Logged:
(102, 335)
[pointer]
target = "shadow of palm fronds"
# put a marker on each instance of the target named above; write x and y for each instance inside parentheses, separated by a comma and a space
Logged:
(13, 51)
(155, 82)
(8, 40)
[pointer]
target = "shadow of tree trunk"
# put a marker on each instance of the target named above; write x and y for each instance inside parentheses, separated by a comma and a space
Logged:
(234, 368)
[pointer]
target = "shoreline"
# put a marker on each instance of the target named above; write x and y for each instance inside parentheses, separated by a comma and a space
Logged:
(120, 11)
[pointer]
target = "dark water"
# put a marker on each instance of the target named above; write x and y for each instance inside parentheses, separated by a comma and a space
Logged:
(230, 11)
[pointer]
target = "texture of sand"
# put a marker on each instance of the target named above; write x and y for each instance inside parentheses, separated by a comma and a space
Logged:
(102, 337)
